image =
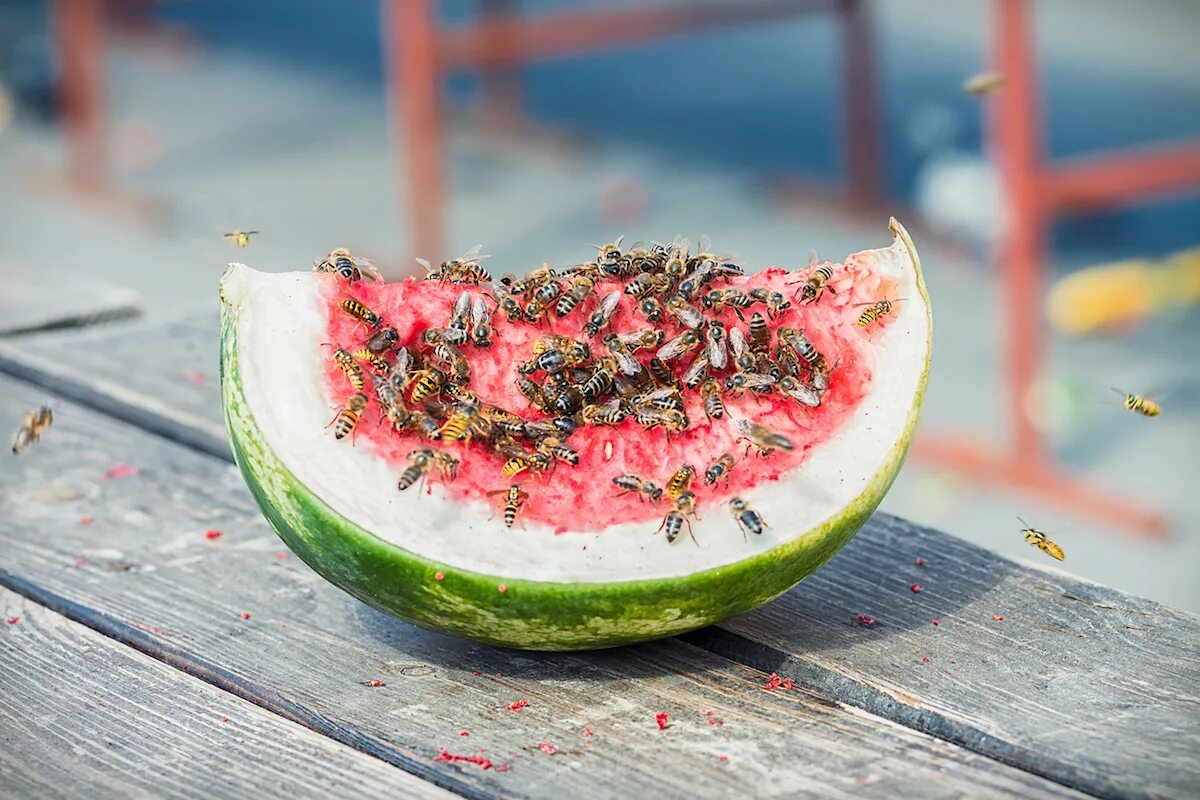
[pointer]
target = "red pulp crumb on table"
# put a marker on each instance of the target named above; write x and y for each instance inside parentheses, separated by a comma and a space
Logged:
(925, 659)
(997, 618)
(446, 755)
(786, 684)
(80, 561)
(464, 732)
(863, 619)
(920, 561)
(547, 748)
(439, 576)
(245, 615)
(86, 519)
(224, 718)
(375, 682)
(723, 759)
(212, 535)
(935, 623)
(121, 471)
(517, 705)
(476, 673)
(281, 555)
(663, 720)
(193, 376)
(773, 683)
(502, 588)
(13, 620)
(587, 732)
(916, 588)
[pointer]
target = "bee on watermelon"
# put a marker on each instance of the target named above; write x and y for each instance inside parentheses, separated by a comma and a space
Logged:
(800, 392)
(36, 423)
(240, 238)
(532, 280)
(674, 348)
(710, 394)
(651, 309)
(815, 284)
(759, 382)
(696, 372)
(662, 374)
(671, 420)
(609, 255)
(684, 506)
(775, 302)
(747, 518)
(715, 338)
(481, 323)
(683, 311)
(514, 500)
(1041, 542)
(464, 269)
(419, 464)
(600, 318)
(762, 439)
(609, 413)
(382, 341)
(505, 302)
(346, 421)
(347, 266)
(635, 484)
(1139, 404)
(719, 469)
(581, 287)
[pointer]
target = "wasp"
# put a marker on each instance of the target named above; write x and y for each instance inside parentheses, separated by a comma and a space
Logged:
(347, 419)
(1140, 405)
(360, 312)
(501, 420)
(677, 517)
(718, 299)
(878, 308)
(719, 469)
(672, 420)
(1039, 540)
(651, 309)
(715, 338)
(758, 382)
(532, 280)
(696, 372)
(662, 374)
(534, 462)
(347, 266)
(240, 238)
(504, 302)
(514, 500)
(464, 423)
(354, 371)
(600, 318)
(481, 323)
(686, 313)
(377, 362)
(815, 284)
(419, 463)
(710, 393)
(36, 423)
(581, 287)
(636, 484)
(681, 481)
(762, 438)
(609, 413)
(674, 348)
(747, 518)
(426, 383)
(775, 302)
(800, 392)
(983, 83)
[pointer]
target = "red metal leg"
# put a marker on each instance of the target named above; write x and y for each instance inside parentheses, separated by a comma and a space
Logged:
(501, 81)
(860, 107)
(414, 80)
(78, 27)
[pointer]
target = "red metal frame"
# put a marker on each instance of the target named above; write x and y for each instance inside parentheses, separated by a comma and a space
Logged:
(420, 53)
(1035, 192)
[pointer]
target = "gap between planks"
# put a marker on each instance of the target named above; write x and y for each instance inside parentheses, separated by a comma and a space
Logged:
(823, 683)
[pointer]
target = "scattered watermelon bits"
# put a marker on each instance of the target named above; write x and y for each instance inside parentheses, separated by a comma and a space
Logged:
(663, 719)
(224, 718)
(476, 673)
(464, 732)
(925, 659)
(716, 720)
(864, 620)
(502, 588)
(723, 759)
(13, 620)
(935, 623)
(776, 682)
(375, 682)
(997, 618)
(121, 471)
(587, 732)
(446, 755)
(86, 519)
(439, 576)
(193, 376)
(517, 705)
(212, 536)
(916, 588)
(281, 555)
(547, 748)
(245, 615)
(920, 561)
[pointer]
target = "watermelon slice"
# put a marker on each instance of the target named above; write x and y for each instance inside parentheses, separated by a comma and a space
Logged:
(584, 565)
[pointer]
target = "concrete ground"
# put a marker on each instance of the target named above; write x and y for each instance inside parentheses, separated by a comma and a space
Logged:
(233, 138)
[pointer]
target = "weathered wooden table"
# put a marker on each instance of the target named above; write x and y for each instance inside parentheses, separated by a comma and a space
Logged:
(146, 655)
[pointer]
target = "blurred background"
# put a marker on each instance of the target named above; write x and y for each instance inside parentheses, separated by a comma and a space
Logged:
(1056, 204)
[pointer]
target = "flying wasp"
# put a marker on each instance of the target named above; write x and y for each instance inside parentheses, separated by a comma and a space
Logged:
(749, 520)
(1039, 540)
(31, 430)
(514, 501)
(240, 238)
(1139, 405)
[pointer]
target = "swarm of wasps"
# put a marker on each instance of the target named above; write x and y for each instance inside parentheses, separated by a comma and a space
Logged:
(611, 377)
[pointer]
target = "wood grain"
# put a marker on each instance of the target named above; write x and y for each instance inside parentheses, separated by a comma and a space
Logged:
(75, 301)
(82, 716)
(152, 579)
(1049, 688)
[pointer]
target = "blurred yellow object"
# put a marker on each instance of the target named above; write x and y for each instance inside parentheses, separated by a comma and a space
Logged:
(1123, 292)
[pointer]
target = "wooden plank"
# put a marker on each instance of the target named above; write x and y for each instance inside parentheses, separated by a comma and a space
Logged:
(150, 577)
(76, 301)
(85, 717)
(1049, 731)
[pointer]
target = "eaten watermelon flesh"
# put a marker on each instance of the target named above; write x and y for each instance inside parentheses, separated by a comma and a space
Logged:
(583, 498)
